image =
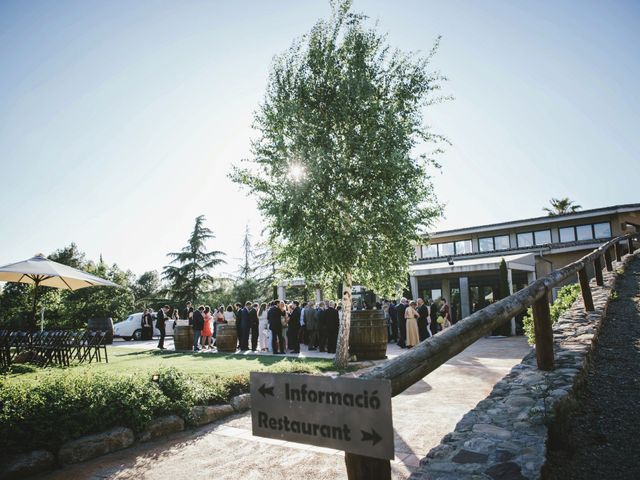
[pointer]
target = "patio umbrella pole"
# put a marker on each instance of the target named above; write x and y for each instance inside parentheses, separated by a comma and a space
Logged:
(35, 297)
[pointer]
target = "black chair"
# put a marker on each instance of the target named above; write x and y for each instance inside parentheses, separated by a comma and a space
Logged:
(5, 354)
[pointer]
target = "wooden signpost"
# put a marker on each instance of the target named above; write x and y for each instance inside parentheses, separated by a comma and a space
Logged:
(349, 414)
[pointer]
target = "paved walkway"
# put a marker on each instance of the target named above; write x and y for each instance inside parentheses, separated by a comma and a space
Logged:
(600, 438)
(226, 450)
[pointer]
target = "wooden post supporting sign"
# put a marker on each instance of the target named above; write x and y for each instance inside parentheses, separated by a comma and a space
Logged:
(360, 467)
(597, 266)
(543, 333)
(586, 290)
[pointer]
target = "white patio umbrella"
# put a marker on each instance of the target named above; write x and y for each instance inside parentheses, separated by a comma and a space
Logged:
(40, 271)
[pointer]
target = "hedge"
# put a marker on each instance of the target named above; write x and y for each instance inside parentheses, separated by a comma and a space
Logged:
(68, 405)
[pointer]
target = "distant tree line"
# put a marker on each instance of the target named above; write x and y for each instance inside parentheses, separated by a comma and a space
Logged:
(187, 277)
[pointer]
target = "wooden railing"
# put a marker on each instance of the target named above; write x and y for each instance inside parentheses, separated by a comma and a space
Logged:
(407, 369)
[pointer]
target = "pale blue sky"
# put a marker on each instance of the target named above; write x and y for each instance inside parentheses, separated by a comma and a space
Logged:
(119, 120)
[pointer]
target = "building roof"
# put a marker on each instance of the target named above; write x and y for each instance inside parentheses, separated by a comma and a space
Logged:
(521, 261)
(541, 220)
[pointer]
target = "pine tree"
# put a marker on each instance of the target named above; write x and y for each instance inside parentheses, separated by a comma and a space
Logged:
(246, 269)
(188, 274)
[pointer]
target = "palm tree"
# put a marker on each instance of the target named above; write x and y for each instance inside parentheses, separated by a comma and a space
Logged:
(561, 206)
(191, 278)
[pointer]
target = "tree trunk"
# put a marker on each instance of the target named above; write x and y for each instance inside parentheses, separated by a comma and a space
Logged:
(342, 352)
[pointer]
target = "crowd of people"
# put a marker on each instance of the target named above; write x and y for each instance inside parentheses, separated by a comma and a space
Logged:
(276, 327)
(410, 322)
(279, 327)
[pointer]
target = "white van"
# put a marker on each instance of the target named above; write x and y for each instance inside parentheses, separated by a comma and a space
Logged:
(131, 328)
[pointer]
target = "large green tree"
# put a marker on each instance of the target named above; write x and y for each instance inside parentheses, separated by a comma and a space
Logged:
(146, 287)
(334, 166)
(188, 274)
(561, 206)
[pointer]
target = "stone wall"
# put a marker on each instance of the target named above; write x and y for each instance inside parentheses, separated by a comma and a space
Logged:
(504, 436)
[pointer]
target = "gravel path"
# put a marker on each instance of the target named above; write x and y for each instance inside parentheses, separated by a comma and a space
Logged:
(600, 437)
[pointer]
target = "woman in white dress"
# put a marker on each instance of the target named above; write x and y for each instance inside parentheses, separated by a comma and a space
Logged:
(263, 329)
(411, 315)
(229, 315)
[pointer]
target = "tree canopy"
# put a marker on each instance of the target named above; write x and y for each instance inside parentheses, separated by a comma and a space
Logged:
(561, 206)
(334, 166)
(188, 274)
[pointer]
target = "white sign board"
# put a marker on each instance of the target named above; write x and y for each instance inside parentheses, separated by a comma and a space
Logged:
(349, 414)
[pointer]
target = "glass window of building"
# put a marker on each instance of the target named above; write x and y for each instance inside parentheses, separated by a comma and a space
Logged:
(525, 239)
(463, 246)
(429, 251)
(584, 232)
(445, 249)
(602, 230)
(502, 242)
(485, 244)
(567, 234)
(543, 237)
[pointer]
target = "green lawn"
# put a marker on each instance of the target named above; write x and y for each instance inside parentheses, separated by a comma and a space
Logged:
(126, 361)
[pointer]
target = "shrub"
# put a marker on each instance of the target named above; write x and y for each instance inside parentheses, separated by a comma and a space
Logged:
(566, 296)
(60, 406)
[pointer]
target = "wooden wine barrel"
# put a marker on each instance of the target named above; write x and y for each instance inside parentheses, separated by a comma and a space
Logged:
(368, 335)
(226, 338)
(183, 337)
(103, 324)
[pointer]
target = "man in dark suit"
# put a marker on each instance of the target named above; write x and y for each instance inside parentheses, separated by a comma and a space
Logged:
(293, 331)
(423, 320)
(393, 326)
(254, 322)
(402, 322)
(188, 313)
(332, 320)
(198, 325)
(322, 327)
(311, 325)
(161, 318)
(433, 312)
(243, 317)
(274, 317)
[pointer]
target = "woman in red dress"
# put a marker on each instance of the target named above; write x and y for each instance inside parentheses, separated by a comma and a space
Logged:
(207, 331)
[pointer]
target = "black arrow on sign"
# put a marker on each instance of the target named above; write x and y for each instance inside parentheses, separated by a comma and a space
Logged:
(265, 391)
(373, 436)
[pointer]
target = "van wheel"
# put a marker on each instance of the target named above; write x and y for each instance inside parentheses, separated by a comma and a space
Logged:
(137, 335)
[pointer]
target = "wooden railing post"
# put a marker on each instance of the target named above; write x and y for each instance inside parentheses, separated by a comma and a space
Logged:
(586, 290)
(360, 467)
(630, 240)
(607, 260)
(618, 250)
(543, 333)
(597, 266)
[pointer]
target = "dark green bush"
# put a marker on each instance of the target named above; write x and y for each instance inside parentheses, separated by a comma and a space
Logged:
(566, 296)
(64, 405)
(61, 407)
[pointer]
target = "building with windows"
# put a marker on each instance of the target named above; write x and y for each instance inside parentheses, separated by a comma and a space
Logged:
(462, 265)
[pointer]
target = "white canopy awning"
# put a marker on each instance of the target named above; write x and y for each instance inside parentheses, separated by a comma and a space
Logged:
(522, 261)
